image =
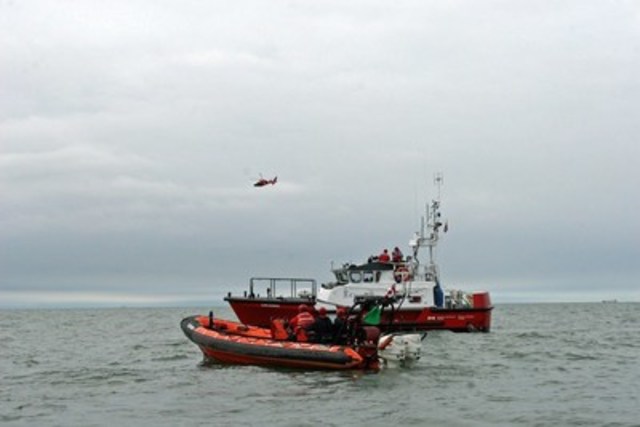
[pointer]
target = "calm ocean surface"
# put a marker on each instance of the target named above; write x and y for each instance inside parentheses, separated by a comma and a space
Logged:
(543, 364)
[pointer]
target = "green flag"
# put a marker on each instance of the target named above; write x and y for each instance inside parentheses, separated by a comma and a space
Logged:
(373, 316)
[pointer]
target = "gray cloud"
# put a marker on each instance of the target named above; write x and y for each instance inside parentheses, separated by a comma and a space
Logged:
(130, 134)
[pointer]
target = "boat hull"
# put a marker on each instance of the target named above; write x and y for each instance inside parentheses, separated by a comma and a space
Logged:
(260, 311)
(249, 345)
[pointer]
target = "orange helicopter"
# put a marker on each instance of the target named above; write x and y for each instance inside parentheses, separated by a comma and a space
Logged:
(262, 181)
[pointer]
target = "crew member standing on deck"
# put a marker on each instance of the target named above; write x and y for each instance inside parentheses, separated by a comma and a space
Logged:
(384, 256)
(396, 255)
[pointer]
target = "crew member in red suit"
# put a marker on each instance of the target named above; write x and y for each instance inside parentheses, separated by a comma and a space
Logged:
(302, 322)
(384, 256)
(396, 255)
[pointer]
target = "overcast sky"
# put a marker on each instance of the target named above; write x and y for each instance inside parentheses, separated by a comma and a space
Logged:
(131, 133)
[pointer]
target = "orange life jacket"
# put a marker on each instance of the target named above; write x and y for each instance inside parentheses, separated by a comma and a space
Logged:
(278, 330)
(302, 320)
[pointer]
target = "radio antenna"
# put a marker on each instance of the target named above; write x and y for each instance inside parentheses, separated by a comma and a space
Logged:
(438, 180)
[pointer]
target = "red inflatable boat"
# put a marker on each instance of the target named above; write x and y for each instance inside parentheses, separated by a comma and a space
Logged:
(232, 342)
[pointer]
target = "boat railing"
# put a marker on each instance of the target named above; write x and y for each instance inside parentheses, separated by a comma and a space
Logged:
(298, 287)
(372, 272)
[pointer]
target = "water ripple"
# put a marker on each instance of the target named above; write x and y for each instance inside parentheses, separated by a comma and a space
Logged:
(543, 364)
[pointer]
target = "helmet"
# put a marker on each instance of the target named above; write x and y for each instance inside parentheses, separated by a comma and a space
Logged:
(341, 311)
(303, 308)
(322, 311)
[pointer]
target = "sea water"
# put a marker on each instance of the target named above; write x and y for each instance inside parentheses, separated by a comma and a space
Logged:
(542, 364)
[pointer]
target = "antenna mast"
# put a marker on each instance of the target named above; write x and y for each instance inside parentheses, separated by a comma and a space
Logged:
(431, 237)
(438, 180)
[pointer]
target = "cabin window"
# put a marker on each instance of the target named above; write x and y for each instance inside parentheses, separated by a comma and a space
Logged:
(342, 277)
(367, 276)
(355, 276)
